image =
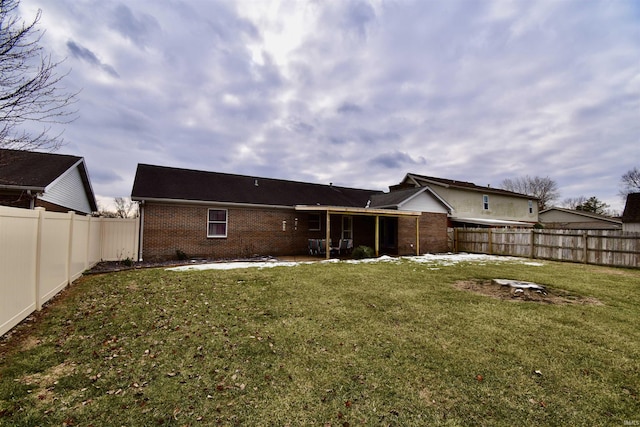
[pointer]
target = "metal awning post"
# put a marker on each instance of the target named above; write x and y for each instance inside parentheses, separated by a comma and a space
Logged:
(327, 243)
(417, 235)
(377, 239)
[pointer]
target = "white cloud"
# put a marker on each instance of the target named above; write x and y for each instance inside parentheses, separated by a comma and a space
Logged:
(355, 92)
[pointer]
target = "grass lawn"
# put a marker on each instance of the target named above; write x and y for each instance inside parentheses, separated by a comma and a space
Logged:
(386, 343)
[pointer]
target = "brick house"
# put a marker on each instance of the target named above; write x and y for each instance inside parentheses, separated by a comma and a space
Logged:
(56, 182)
(218, 215)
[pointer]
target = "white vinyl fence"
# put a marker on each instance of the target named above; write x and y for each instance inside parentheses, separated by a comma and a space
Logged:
(41, 252)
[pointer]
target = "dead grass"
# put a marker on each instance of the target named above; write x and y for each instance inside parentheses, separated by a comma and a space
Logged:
(329, 344)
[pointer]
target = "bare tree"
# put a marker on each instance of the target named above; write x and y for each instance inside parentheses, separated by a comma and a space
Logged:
(630, 182)
(544, 189)
(573, 202)
(30, 88)
(125, 208)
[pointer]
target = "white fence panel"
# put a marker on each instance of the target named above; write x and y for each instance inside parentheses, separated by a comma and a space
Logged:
(42, 252)
(79, 246)
(55, 236)
(95, 242)
(18, 249)
(119, 239)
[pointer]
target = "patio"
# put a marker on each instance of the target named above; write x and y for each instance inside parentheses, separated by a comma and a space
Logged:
(377, 215)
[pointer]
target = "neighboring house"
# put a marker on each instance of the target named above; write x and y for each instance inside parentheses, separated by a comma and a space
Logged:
(57, 182)
(471, 205)
(218, 215)
(577, 220)
(631, 214)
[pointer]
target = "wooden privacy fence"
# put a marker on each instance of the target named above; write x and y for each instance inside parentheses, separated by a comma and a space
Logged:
(602, 247)
(42, 252)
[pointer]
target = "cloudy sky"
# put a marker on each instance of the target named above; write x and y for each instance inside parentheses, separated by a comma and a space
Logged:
(357, 93)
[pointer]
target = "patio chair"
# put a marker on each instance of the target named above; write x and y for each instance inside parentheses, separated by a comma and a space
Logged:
(349, 246)
(342, 247)
(322, 247)
(313, 247)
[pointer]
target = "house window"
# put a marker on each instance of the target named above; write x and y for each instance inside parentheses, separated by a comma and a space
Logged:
(485, 202)
(314, 222)
(347, 227)
(217, 223)
(530, 206)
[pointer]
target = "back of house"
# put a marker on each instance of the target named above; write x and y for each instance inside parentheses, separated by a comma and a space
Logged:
(204, 214)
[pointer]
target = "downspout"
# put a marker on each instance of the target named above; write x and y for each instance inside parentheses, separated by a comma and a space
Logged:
(140, 233)
(32, 199)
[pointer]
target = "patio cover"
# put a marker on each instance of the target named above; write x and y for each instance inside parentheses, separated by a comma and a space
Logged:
(377, 213)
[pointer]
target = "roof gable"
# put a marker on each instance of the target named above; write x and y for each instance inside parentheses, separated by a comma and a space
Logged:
(578, 214)
(160, 182)
(397, 198)
(41, 172)
(631, 212)
(33, 170)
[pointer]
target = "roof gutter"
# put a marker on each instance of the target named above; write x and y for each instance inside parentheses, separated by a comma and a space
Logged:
(357, 211)
(206, 203)
(20, 187)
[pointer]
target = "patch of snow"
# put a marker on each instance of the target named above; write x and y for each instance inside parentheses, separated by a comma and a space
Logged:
(434, 261)
(519, 284)
(235, 265)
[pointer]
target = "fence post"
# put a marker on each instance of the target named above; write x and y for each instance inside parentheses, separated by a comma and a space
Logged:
(40, 211)
(586, 246)
(455, 240)
(489, 239)
(86, 255)
(533, 243)
(70, 248)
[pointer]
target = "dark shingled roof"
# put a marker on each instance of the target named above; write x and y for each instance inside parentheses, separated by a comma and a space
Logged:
(159, 182)
(29, 170)
(32, 170)
(631, 212)
(464, 185)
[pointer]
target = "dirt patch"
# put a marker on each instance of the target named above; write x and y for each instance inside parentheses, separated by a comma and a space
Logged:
(50, 376)
(115, 266)
(29, 342)
(550, 296)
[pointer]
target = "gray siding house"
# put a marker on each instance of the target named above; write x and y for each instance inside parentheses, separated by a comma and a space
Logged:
(57, 182)
(577, 220)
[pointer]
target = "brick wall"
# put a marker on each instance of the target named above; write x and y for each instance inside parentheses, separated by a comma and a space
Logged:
(259, 231)
(250, 232)
(433, 234)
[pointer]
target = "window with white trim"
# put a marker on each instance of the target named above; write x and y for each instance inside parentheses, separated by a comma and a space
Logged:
(217, 223)
(485, 202)
(314, 222)
(347, 227)
(530, 206)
